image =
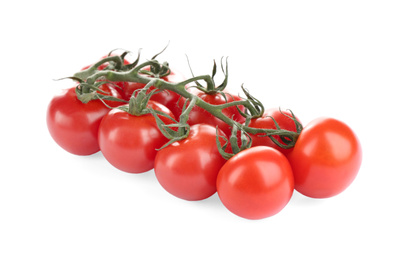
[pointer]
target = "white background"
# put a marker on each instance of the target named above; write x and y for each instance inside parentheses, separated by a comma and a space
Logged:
(351, 60)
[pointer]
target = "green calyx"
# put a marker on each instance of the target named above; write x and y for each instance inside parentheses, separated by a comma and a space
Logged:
(178, 130)
(211, 87)
(174, 132)
(288, 138)
(236, 145)
(138, 103)
(256, 108)
(116, 63)
(86, 92)
(157, 70)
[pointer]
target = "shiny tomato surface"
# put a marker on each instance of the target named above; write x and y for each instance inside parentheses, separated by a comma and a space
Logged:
(129, 142)
(326, 158)
(73, 124)
(256, 183)
(188, 168)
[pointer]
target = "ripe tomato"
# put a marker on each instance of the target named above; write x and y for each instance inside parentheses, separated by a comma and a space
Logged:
(166, 98)
(129, 142)
(188, 168)
(73, 124)
(266, 121)
(199, 115)
(326, 158)
(255, 183)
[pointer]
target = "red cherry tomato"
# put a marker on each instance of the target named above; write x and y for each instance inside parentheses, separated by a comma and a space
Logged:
(129, 142)
(267, 122)
(199, 115)
(255, 183)
(166, 97)
(326, 158)
(188, 168)
(73, 124)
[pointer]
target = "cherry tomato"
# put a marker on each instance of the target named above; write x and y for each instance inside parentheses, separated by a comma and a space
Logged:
(73, 124)
(188, 168)
(326, 158)
(129, 142)
(255, 183)
(267, 122)
(166, 97)
(199, 115)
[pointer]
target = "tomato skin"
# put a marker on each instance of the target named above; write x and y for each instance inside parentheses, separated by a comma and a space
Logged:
(166, 97)
(73, 125)
(199, 115)
(256, 183)
(266, 121)
(326, 158)
(188, 168)
(129, 142)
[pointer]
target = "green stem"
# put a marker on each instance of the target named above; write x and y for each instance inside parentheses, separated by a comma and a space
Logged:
(92, 69)
(180, 88)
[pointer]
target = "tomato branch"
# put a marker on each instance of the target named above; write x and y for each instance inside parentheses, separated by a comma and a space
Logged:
(94, 68)
(92, 75)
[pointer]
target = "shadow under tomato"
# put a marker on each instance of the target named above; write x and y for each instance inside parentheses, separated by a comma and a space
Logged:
(302, 200)
(212, 201)
(95, 157)
(211, 205)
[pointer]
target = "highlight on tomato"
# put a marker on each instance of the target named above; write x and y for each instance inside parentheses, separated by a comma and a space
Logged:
(256, 183)
(130, 142)
(284, 121)
(188, 168)
(73, 124)
(326, 158)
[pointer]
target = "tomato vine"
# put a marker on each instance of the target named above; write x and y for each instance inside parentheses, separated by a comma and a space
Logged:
(144, 116)
(118, 71)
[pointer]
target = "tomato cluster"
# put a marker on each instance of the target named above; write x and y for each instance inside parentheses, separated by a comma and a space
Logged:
(258, 179)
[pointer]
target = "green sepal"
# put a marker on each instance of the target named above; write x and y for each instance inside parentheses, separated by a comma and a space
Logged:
(288, 137)
(221, 148)
(222, 86)
(115, 62)
(298, 125)
(198, 85)
(140, 98)
(183, 128)
(258, 106)
(86, 92)
(181, 133)
(211, 88)
(245, 142)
